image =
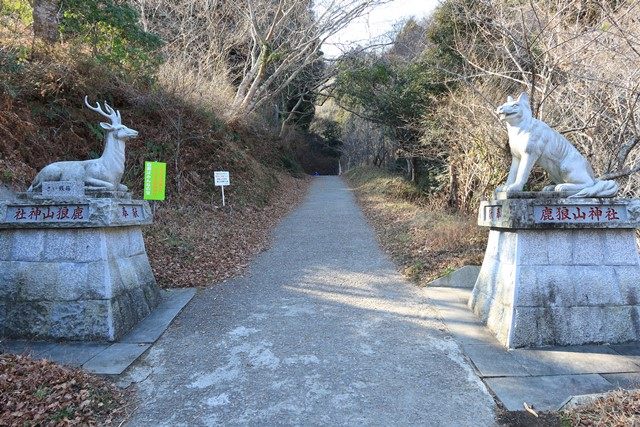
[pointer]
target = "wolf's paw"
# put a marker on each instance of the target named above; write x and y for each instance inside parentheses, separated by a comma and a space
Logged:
(512, 187)
(549, 188)
(567, 187)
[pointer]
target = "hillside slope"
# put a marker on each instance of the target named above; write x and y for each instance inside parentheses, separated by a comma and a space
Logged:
(193, 241)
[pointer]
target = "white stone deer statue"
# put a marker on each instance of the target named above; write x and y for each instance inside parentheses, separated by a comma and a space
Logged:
(103, 173)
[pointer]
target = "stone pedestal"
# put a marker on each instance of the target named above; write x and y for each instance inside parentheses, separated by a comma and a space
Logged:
(559, 271)
(74, 269)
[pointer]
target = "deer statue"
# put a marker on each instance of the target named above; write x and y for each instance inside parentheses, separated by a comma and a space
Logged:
(103, 173)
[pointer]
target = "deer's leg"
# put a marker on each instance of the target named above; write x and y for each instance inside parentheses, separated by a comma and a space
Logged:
(98, 184)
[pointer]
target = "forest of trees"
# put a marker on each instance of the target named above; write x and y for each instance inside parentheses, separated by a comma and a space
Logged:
(426, 105)
(253, 63)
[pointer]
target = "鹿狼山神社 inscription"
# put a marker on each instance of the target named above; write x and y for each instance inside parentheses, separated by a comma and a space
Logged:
(45, 214)
(540, 212)
(582, 214)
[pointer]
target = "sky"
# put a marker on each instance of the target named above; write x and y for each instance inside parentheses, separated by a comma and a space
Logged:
(377, 23)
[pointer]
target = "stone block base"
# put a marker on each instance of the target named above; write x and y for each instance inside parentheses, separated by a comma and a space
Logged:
(74, 283)
(567, 286)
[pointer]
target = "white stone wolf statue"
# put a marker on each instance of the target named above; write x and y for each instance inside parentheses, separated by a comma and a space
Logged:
(103, 173)
(532, 140)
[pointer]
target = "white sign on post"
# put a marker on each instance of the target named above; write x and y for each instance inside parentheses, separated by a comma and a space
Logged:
(221, 179)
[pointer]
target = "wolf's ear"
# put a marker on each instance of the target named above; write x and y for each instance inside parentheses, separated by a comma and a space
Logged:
(523, 98)
(509, 98)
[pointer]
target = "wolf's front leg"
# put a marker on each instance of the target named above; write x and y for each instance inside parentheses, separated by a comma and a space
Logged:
(515, 162)
(522, 175)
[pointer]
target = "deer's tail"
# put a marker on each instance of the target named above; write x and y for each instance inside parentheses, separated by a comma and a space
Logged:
(36, 183)
(599, 189)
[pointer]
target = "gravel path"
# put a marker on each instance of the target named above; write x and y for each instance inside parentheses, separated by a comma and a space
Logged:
(322, 330)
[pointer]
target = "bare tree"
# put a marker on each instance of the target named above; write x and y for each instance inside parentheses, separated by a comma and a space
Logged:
(260, 47)
(580, 63)
(285, 41)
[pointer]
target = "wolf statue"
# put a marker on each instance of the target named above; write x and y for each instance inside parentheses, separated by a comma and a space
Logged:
(532, 140)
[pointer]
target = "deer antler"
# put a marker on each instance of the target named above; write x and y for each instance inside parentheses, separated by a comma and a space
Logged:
(111, 114)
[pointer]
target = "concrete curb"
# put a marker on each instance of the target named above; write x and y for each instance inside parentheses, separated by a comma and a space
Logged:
(106, 358)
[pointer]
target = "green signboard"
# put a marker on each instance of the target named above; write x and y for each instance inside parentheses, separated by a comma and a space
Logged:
(155, 174)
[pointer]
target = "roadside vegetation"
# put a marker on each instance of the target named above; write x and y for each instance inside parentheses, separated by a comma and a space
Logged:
(425, 107)
(423, 239)
(620, 408)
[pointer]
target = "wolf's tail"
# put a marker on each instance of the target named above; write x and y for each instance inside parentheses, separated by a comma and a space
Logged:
(599, 189)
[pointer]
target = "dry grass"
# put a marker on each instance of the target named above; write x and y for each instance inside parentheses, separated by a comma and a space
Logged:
(619, 408)
(425, 240)
(212, 90)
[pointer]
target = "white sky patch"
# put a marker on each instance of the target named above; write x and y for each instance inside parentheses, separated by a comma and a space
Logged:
(376, 24)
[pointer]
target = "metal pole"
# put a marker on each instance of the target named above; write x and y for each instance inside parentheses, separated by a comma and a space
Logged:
(222, 186)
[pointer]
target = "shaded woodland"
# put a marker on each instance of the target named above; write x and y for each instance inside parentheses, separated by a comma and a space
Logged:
(425, 106)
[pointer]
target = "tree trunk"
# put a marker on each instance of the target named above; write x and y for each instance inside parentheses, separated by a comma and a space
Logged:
(453, 187)
(45, 20)
(414, 170)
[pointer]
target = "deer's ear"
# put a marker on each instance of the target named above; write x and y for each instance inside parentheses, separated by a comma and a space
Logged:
(523, 98)
(106, 126)
(509, 98)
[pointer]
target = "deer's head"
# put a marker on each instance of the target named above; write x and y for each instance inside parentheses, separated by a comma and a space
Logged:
(120, 131)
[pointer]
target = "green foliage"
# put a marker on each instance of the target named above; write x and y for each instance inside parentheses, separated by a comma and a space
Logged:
(11, 64)
(111, 29)
(6, 176)
(330, 142)
(17, 9)
(392, 94)
(42, 392)
(447, 23)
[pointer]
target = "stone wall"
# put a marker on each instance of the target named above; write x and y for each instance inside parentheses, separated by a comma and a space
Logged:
(560, 286)
(78, 284)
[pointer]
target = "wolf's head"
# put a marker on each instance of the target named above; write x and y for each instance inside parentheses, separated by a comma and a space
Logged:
(514, 112)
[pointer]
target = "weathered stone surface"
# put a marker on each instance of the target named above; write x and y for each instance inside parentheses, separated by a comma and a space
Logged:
(63, 190)
(76, 284)
(73, 353)
(493, 361)
(625, 380)
(35, 212)
(544, 393)
(546, 211)
(558, 286)
(115, 359)
(586, 359)
(464, 277)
